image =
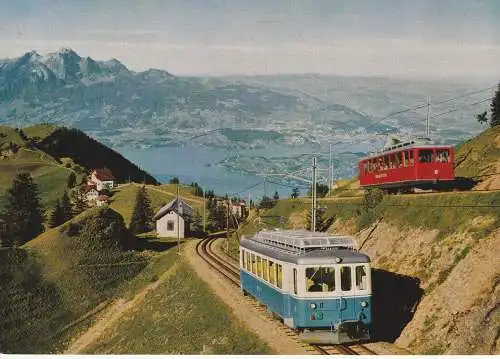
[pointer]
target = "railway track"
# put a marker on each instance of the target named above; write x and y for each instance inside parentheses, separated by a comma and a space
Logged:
(231, 272)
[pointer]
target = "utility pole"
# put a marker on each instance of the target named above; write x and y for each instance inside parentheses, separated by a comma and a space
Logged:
(330, 170)
(178, 224)
(428, 127)
(313, 192)
(227, 226)
(204, 210)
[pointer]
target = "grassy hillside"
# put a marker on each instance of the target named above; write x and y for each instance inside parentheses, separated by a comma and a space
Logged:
(51, 153)
(123, 199)
(480, 156)
(61, 275)
(61, 284)
(176, 319)
(50, 176)
(89, 153)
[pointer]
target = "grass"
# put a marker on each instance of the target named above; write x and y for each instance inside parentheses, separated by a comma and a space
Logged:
(50, 178)
(479, 154)
(177, 319)
(39, 131)
(123, 200)
(54, 280)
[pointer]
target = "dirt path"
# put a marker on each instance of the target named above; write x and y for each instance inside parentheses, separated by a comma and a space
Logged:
(111, 316)
(269, 331)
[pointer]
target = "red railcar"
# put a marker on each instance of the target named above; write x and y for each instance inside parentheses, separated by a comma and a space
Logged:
(409, 165)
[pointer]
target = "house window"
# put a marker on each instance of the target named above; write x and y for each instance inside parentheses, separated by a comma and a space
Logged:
(170, 225)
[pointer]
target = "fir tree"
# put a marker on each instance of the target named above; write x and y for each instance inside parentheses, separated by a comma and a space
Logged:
(142, 216)
(319, 221)
(495, 109)
(295, 192)
(66, 209)
(57, 215)
(71, 180)
(79, 200)
(23, 210)
(197, 223)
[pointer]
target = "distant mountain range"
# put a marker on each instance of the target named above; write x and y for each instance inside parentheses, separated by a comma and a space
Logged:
(265, 121)
(106, 97)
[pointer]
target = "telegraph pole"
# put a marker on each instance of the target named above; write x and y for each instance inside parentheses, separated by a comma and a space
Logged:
(227, 227)
(204, 210)
(178, 224)
(330, 170)
(313, 192)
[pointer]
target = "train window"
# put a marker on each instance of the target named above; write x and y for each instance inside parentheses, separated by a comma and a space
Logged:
(265, 270)
(243, 259)
(254, 264)
(361, 278)
(398, 159)
(295, 280)
(259, 266)
(279, 276)
(272, 272)
(425, 156)
(442, 156)
(320, 279)
(345, 278)
(249, 262)
(365, 167)
(385, 162)
(411, 160)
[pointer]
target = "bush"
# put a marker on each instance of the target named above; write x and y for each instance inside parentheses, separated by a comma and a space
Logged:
(369, 210)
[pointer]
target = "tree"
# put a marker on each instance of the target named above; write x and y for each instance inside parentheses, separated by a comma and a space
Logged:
(197, 223)
(266, 203)
(66, 209)
(79, 200)
(174, 180)
(276, 196)
(197, 190)
(142, 216)
(23, 211)
(321, 190)
(56, 216)
(482, 118)
(319, 220)
(295, 193)
(71, 180)
(495, 109)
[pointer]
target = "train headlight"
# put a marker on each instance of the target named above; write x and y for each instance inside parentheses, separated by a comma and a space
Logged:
(338, 260)
(312, 306)
(364, 304)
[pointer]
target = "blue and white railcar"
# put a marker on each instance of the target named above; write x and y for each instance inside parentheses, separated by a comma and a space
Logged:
(316, 282)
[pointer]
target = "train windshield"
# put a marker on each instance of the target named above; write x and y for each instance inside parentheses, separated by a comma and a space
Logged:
(320, 279)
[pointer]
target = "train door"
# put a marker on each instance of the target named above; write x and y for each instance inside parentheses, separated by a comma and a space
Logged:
(346, 300)
(361, 288)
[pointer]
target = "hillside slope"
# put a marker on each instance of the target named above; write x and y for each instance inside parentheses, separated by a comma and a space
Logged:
(89, 153)
(61, 275)
(479, 157)
(17, 153)
(50, 154)
(436, 275)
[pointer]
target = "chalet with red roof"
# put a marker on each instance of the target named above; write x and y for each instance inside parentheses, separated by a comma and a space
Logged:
(102, 178)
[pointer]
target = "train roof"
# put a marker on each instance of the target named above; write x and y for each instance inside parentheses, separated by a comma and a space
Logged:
(304, 247)
(404, 146)
(302, 240)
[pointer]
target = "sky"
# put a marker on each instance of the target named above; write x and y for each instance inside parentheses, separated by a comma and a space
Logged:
(392, 38)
